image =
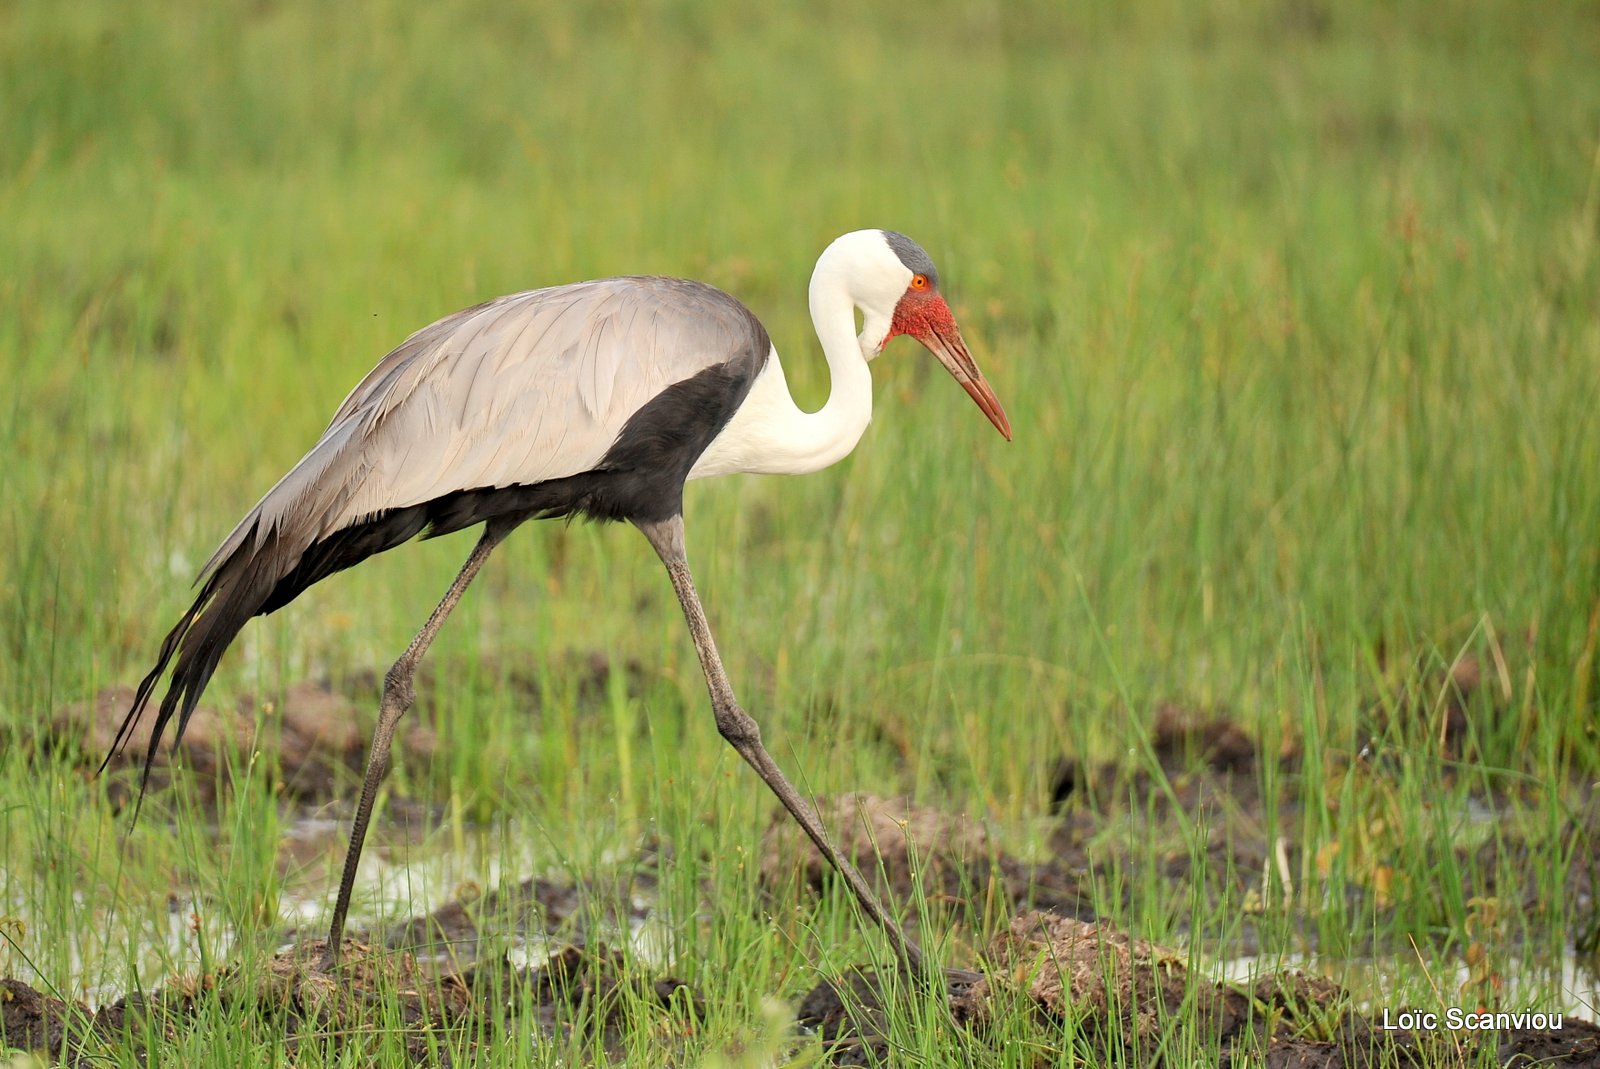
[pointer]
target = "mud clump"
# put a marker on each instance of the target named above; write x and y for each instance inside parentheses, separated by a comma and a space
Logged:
(573, 977)
(34, 1022)
(898, 845)
(1069, 969)
(453, 936)
(294, 990)
(89, 729)
(851, 1015)
(1435, 709)
(1117, 987)
(339, 999)
(1199, 755)
(314, 734)
(315, 737)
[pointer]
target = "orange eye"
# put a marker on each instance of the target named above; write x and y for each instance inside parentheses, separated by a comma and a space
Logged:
(919, 282)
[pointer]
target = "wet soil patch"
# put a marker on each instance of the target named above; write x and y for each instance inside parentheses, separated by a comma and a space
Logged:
(371, 992)
(585, 990)
(455, 936)
(1099, 986)
(1188, 803)
(1198, 753)
(439, 986)
(1095, 988)
(1436, 708)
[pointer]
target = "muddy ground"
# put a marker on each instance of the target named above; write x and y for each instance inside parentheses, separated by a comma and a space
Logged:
(1095, 984)
(1057, 957)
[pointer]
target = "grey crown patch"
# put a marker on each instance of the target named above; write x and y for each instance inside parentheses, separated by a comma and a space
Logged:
(912, 255)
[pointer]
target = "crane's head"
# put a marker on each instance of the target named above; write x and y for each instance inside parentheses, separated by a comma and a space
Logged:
(894, 283)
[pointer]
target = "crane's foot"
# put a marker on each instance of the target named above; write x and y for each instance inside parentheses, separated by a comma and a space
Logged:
(851, 1012)
(957, 981)
(923, 975)
(331, 955)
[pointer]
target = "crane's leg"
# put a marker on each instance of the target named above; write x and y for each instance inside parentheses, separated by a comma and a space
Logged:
(398, 695)
(741, 730)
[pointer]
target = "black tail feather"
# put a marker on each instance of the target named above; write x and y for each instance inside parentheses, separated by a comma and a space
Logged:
(230, 596)
(147, 685)
(253, 581)
(260, 577)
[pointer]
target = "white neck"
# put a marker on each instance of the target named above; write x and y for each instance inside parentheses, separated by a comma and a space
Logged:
(769, 433)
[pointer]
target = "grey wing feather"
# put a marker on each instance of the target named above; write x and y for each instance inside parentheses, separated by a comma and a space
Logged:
(519, 390)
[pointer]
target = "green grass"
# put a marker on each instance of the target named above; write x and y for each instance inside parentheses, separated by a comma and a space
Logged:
(1293, 308)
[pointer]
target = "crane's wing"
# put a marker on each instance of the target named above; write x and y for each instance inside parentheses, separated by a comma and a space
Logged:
(517, 391)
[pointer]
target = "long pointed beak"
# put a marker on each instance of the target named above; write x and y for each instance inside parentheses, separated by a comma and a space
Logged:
(945, 342)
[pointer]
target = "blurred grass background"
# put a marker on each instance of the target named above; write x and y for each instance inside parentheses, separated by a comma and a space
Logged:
(1293, 306)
